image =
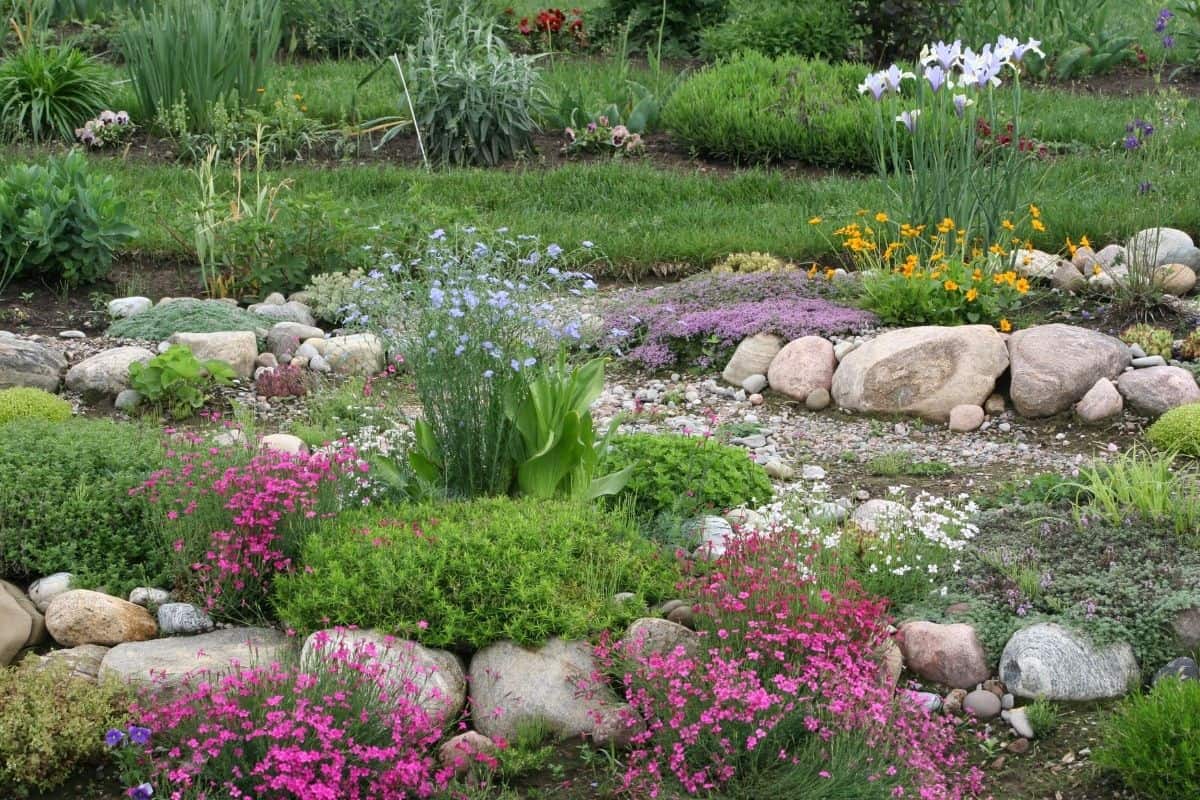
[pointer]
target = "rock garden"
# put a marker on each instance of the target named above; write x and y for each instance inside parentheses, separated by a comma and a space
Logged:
(637, 400)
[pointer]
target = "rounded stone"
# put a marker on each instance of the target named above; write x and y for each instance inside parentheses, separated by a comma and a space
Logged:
(966, 418)
(81, 616)
(803, 366)
(984, 705)
(818, 399)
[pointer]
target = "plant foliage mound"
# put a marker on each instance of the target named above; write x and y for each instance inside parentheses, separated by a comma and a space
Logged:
(1178, 431)
(65, 503)
(467, 574)
(187, 315)
(48, 91)
(810, 28)
(21, 402)
(683, 475)
(753, 109)
(1153, 741)
(700, 320)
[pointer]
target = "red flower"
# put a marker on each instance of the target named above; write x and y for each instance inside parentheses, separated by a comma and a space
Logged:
(551, 20)
(523, 27)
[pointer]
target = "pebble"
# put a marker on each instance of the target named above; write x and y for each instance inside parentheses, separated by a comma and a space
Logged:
(1136, 351)
(929, 700)
(1183, 668)
(176, 619)
(146, 596)
(128, 400)
(1019, 721)
(1149, 361)
(818, 399)
(756, 399)
(1004, 427)
(72, 334)
(1018, 746)
(318, 364)
(779, 470)
(754, 384)
(983, 704)
(754, 441)
(812, 472)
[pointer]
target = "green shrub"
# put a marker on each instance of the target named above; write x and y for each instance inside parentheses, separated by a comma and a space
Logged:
(200, 51)
(1178, 431)
(671, 28)
(682, 474)
(753, 109)
(1153, 741)
(473, 98)
(896, 29)
(350, 28)
(65, 503)
(52, 724)
(810, 28)
(49, 91)
(187, 315)
(59, 222)
(22, 402)
(467, 574)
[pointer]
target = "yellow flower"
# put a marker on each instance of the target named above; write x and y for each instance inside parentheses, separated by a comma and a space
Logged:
(260, 90)
(1034, 211)
(862, 212)
(304, 108)
(815, 221)
(1022, 286)
(1083, 242)
(950, 286)
(881, 217)
(812, 271)
(1007, 225)
(829, 273)
(996, 249)
(977, 275)
(910, 231)
(1071, 248)
(297, 97)
(971, 295)
(1037, 225)
(937, 255)
(945, 226)
(1096, 269)
(1005, 326)
(890, 250)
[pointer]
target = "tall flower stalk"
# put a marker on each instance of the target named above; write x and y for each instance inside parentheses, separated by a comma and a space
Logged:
(934, 141)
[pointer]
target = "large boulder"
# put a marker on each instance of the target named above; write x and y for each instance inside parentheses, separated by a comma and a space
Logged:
(167, 663)
(753, 356)
(1176, 279)
(951, 655)
(437, 676)
(21, 625)
(81, 616)
(356, 354)
(238, 349)
(290, 311)
(25, 363)
(1101, 402)
(557, 684)
(1159, 246)
(803, 366)
(1154, 391)
(1049, 661)
(925, 371)
(1036, 264)
(82, 662)
(657, 636)
(1054, 366)
(106, 374)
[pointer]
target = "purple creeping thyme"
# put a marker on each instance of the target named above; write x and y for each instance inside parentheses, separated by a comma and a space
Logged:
(660, 327)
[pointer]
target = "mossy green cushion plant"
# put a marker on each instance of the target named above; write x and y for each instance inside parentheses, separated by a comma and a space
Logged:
(21, 402)
(188, 315)
(686, 474)
(466, 574)
(1178, 431)
(65, 503)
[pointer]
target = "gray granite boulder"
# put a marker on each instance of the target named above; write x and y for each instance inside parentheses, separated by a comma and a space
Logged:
(1049, 661)
(25, 363)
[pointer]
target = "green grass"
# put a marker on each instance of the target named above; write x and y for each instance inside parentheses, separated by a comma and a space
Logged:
(643, 216)
(897, 463)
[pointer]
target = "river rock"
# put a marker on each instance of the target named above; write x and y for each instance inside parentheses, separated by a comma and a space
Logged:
(803, 366)
(982, 704)
(183, 619)
(713, 534)
(437, 675)
(285, 338)
(123, 307)
(1158, 246)
(166, 663)
(872, 515)
(1185, 625)
(1182, 668)
(1049, 661)
(463, 752)
(147, 596)
(290, 311)
(25, 363)
(81, 616)
(925, 371)
(1102, 402)
(356, 354)
(964, 419)
(752, 356)
(947, 654)
(284, 443)
(1153, 391)
(1054, 366)
(558, 683)
(238, 349)
(43, 590)
(1067, 278)
(1037, 264)
(658, 636)
(21, 625)
(1176, 279)
(106, 373)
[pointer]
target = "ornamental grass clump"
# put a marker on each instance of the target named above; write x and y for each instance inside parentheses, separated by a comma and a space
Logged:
(698, 321)
(783, 667)
(346, 723)
(233, 522)
(934, 139)
(479, 328)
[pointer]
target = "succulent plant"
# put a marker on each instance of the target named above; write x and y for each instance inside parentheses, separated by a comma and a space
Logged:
(1155, 341)
(752, 262)
(1190, 349)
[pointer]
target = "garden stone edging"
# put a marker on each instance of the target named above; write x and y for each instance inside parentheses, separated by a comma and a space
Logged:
(924, 371)
(1054, 366)
(26, 363)
(1048, 661)
(438, 674)
(555, 683)
(166, 663)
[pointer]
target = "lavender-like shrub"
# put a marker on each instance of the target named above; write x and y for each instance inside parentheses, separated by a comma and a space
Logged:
(700, 320)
